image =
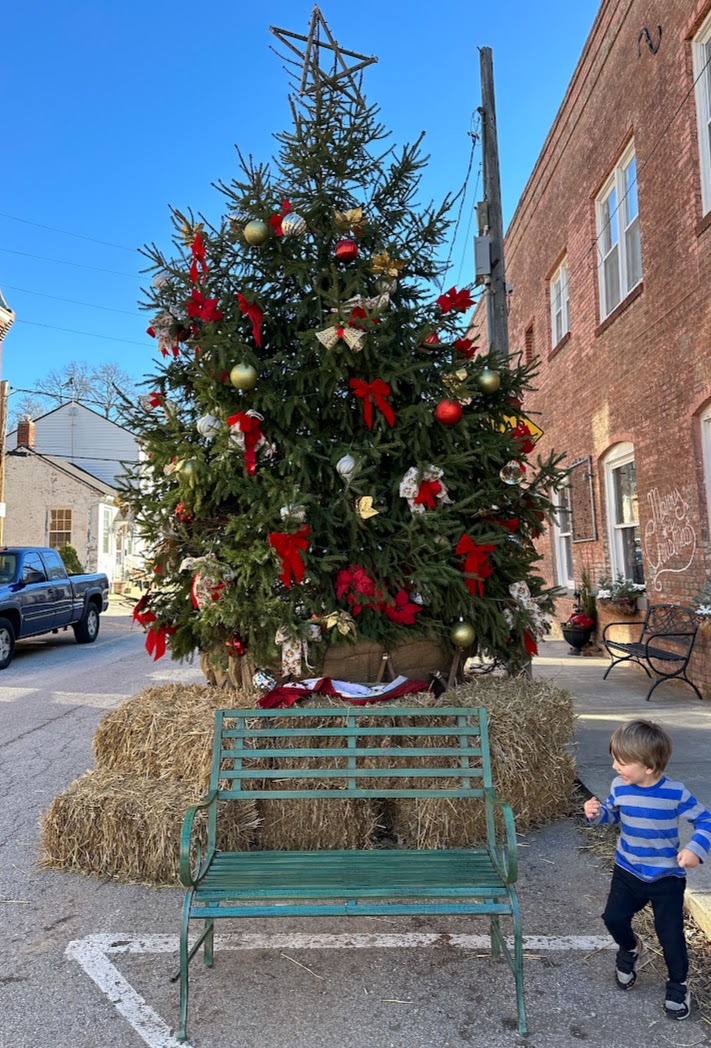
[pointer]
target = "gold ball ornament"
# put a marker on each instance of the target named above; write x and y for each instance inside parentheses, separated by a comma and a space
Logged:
(462, 634)
(243, 376)
(293, 225)
(256, 232)
(489, 381)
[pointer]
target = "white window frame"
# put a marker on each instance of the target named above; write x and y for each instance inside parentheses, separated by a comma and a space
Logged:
(619, 456)
(705, 421)
(701, 52)
(563, 538)
(616, 230)
(560, 303)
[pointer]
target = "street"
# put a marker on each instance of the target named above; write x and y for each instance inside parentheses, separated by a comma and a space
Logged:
(86, 963)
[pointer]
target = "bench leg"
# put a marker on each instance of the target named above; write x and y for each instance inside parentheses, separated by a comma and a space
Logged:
(518, 964)
(184, 962)
(209, 937)
(626, 658)
(495, 937)
(674, 676)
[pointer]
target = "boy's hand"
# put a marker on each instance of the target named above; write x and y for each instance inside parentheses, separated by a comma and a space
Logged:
(591, 808)
(687, 858)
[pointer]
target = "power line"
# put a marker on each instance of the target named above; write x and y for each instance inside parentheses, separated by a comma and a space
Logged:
(63, 262)
(66, 232)
(72, 301)
(88, 334)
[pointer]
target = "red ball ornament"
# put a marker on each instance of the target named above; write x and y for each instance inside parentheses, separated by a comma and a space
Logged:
(432, 341)
(236, 646)
(448, 412)
(346, 250)
(183, 515)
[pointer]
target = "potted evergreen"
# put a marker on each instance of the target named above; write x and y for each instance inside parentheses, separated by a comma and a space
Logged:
(619, 594)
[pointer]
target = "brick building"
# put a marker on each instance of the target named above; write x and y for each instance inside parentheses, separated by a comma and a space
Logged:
(609, 258)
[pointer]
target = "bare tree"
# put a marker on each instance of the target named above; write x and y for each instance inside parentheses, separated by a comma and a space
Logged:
(29, 406)
(98, 388)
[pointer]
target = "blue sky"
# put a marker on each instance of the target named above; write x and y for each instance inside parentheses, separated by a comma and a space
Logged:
(113, 110)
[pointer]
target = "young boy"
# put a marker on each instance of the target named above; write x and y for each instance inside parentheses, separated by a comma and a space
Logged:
(649, 867)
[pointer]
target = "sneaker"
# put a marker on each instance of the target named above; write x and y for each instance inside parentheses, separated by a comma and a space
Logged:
(677, 1004)
(626, 966)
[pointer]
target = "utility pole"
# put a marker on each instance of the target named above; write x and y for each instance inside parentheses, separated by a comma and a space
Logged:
(490, 216)
(4, 394)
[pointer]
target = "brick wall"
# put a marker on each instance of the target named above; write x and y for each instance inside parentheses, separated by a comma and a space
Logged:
(643, 375)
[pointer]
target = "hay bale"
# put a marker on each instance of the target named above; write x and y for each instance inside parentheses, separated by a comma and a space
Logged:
(315, 823)
(530, 728)
(165, 732)
(127, 826)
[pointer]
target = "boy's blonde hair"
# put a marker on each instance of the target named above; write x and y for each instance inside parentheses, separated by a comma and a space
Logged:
(642, 742)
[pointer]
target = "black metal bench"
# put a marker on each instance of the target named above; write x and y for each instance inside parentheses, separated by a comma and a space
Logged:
(664, 645)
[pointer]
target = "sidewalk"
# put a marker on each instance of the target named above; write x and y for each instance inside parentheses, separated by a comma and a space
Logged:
(601, 705)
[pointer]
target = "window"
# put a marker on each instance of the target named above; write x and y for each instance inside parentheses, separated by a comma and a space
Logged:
(560, 303)
(619, 244)
(106, 528)
(622, 513)
(701, 48)
(55, 566)
(706, 451)
(563, 538)
(60, 527)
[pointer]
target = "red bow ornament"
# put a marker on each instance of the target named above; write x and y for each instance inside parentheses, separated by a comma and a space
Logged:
(254, 313)
(476, 566)
(249, 434)
(276, 220)
(287, 548)
(426, 495)
(374, 391)
(198, 250)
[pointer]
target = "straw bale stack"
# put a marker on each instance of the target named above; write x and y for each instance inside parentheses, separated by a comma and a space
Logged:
(314, 823)
(153, 756)
(530, 730)
(127, 826)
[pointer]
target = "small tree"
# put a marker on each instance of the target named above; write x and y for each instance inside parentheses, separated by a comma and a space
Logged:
(71, 560)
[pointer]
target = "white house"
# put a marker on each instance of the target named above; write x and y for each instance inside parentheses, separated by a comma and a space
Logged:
(61, 487)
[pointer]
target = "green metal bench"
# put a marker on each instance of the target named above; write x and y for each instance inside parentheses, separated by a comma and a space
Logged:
(253, 751)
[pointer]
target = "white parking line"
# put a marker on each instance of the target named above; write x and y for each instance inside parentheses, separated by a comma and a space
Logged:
(93, 953)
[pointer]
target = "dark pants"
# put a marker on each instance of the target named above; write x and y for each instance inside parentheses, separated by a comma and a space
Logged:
(628, 895)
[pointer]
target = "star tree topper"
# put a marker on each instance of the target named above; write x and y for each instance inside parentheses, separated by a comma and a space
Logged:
(313, 77)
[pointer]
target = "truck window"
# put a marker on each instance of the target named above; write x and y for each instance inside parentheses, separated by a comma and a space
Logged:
(55, 565)
(8, 567)
(33, 569)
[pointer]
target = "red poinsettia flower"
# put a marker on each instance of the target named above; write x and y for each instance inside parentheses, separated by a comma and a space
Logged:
(466, 346)
(403, 611)
(459, 301)
(580, 621)
(202, 308)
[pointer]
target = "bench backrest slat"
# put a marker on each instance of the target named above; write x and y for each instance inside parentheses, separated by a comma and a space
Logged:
(670, 618)
(355, 753)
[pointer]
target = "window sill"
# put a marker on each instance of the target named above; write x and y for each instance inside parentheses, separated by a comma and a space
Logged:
(703, 224)
(559, 345)
(612, 317)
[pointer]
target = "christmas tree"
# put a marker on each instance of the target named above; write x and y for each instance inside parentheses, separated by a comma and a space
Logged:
(330, 455)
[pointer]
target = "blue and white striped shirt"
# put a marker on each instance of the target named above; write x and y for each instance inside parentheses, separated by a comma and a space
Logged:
(649, 826)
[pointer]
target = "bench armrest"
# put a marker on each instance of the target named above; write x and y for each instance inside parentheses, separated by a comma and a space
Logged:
(505, 855)
(187, 877)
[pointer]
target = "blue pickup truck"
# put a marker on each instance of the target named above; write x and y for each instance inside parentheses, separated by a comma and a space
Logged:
(37, 596)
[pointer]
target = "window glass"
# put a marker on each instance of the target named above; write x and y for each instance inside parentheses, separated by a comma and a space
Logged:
(619, 235)
(8, 567)
(563, 532)
(55, 565)
(623, 514)
(60, 527)
(33, 569)
(702, 81)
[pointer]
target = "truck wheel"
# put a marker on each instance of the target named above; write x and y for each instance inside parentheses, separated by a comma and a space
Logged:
(87, 630)
(7, 643)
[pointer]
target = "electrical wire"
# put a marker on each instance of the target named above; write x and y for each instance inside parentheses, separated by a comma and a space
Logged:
(63, 262)
(72, 301)
(88, 334)
(66, 232)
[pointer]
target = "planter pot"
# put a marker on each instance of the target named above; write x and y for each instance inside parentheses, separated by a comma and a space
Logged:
(624, 605)
(576, 637)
